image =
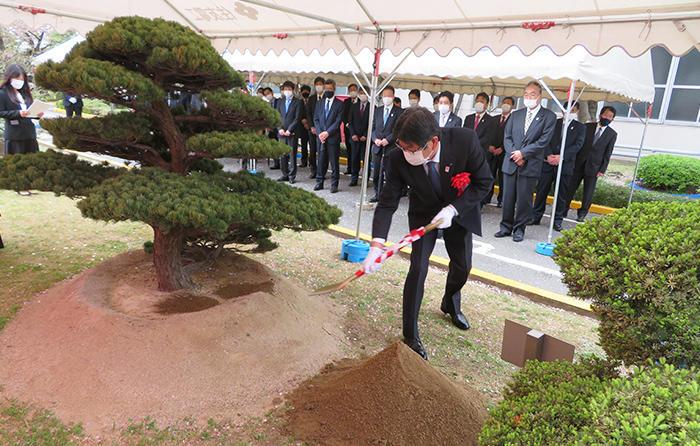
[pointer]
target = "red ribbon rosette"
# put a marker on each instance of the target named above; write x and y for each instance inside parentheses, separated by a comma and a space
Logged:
(460, 182)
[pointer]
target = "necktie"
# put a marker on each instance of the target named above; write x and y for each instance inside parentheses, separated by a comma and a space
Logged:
(386, 114)
(597, 134)
(476, 121)
(362, 109)
(286, 106)
(528, 119)
(503, 118)
(435, 178)
(328, 106)
(443, 120)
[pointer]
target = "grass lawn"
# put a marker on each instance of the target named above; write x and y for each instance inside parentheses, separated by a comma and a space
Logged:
(47, 240)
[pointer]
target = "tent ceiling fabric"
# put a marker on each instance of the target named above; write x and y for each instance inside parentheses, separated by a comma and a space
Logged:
(613, 76)
(634, 25)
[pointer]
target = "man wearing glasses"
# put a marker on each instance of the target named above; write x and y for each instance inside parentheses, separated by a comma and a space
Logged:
(428, 160)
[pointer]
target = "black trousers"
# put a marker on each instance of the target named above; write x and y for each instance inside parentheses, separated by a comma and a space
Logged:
(544, 185)
(348, 148)
(589, 183)
(496, 164)
(72, 109)
(458, 242)
(517, 201)
(288, 162)
(313, 152)
(304, 143)
(358, 154)
(378, 173)
(328, 153)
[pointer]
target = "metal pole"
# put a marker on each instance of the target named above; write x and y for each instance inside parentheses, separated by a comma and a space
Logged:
(354, 59)
(639, 153)
(368, 146)
(565, 128)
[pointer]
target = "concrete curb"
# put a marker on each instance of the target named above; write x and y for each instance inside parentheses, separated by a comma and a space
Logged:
(533, 293)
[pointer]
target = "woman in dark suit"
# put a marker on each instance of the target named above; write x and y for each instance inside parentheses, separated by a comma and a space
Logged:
(15, 99)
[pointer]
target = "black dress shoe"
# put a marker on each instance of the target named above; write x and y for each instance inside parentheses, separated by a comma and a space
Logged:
(292, 181)
(282, 179)
(274, 167)
(557, 227)
(518, 236)
(502, 233)
(499, 204)
(334, 190)
(581, 219)
(374, 200)
(318, 187)
(312, 176)
(458, 319)
(417, 347)
(534, 222)
(353, 183)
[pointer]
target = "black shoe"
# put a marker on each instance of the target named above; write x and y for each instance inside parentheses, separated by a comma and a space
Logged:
(312, 176)
(334, 190)
(353, 183)
(502, 233)
(274, 167)
(518, 236)
(580, 219)
(557, 227)
(458, 319)
(292, 181)
(417, 346)
(374, 200)
(282, 179)
(534, 222)
(499, 204)
(318, 187)
(347, 172)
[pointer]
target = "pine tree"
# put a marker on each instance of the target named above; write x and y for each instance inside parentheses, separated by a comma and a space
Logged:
(179, 190)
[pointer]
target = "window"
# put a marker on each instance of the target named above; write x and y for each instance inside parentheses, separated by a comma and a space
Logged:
(661, 64)
(688, 69)
(684, 105)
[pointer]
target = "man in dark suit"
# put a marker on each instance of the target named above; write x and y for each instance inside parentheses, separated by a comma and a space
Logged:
(269, 97)
(316, 97)
(329, 113)
(486, 128)
(347, 133)
(383, 139)
(359, 124)
(592, 161)
(289, 109)
(73, 105)
(427, 160)
(304, 127)
(444, 115)
(498, 151)
(575, 135)
(527, 135)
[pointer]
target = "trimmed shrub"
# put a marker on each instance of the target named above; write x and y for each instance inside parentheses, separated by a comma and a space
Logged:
(545, 404)
(640, 268)
(657, 405)
(673, 173)
(616, 196)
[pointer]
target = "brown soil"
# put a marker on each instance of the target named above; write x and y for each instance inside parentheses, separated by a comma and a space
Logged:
(392, 398)
(106, 347)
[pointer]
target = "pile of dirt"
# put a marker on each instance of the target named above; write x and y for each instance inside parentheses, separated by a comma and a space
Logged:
(392, 398)
(106, 346)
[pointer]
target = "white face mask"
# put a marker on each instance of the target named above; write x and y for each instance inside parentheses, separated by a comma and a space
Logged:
(387, 101)
(414, 158)
(352, 94)
(363, 97)
(269, 98)
(506, 108)
(444, 108)
(530, 103)
(479, 107)
(413, 102)
(288, 93)
(17, 84)
(319, 89)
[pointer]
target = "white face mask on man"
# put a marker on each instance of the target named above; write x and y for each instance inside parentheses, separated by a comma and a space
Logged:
(318, 88)
(17, 84)
(387, 101)
(363, 98)
(506, 108)
(479, 107)
(530, 103)
(288, 93)
(413, 102)
(416, 158)
(444, 108)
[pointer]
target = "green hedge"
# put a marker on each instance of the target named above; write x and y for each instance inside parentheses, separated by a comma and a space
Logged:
(640, 268)
(617, 196)
(673, 173)
(559, 403)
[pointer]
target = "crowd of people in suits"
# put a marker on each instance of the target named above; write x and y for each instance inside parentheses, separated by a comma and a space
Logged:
(521, 146)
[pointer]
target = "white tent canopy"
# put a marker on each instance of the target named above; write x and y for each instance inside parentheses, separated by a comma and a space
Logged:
(613, 76)
(443, 25)
(59, 52)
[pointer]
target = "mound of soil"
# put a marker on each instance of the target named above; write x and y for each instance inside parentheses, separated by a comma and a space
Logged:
(392, 398)
(106, 346)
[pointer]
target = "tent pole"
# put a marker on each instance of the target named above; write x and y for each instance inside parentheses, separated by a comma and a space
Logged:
(257, 84)
(391, 75)
(354, 59)
(565, 126)
(639, 153)
(379, 43)
(360, 84)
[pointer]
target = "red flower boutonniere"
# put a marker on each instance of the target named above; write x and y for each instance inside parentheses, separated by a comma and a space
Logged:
(460, 182)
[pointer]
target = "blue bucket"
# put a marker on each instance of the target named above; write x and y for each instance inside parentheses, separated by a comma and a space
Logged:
(546, 249)
(354, 251)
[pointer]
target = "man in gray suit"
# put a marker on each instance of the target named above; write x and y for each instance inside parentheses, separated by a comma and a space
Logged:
(527, 135)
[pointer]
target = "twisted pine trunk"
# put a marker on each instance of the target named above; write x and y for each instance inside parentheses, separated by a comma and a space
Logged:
(167, 258)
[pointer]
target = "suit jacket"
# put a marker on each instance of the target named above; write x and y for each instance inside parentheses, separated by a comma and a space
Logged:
(304, 114)
(460, 151)
(452, 121)
(330, 123)
(290, 118)
(594, 157)
(500, 130)
(487, 131)
(532, 145)
(347, 108)
(359, 121)
(575, 136)
(311, 108)
(68, 103)
(16, 127)
(381, 130)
